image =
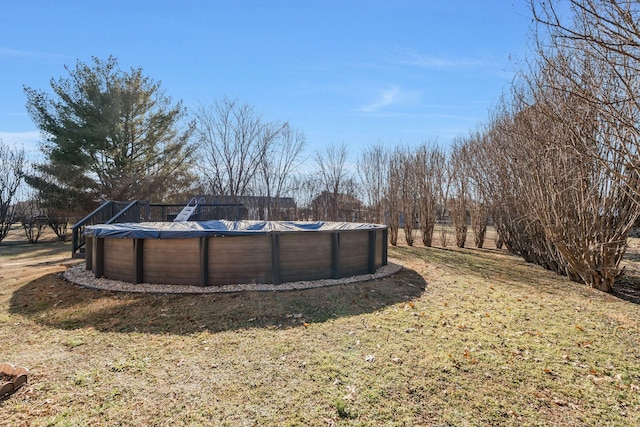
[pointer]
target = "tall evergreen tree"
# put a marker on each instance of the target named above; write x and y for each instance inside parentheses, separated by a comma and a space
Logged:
(109, 134)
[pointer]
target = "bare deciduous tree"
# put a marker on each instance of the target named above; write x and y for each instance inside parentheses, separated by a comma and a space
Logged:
(474, 164)
(334, 176)
(408, 192)
(55, 199)
(460, 186)
(583, 99)
(479, 221)
(599, 40)
(304, 189)
(234, 141)
(392, 194)
(283, 147)
(443, 195)
(12, 169)
(429, 169)
(372, 171)
(560, 206)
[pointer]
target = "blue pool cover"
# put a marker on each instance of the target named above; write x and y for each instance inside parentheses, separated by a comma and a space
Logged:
(187, 229)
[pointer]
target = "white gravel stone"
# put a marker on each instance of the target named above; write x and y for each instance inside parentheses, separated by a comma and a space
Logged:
(86, 278)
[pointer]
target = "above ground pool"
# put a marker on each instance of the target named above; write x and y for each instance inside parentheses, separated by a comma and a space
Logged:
(220, 252)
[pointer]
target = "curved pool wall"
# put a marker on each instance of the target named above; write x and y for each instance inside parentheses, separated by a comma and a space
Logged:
(222, 252)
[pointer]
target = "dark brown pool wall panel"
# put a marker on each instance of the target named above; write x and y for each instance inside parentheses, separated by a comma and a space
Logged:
(171, 261)
(119, 259)
(354, 254)
(240, 259)
(304, 257)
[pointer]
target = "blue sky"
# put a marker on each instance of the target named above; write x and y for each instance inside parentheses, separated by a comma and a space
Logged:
(353, 72)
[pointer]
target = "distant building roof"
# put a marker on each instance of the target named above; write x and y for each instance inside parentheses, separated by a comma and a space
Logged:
(344, 200)
(252, 201)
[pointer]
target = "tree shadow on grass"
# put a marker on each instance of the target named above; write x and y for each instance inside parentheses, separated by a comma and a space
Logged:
(43, 249)
(628, 287)
(52, 301)
(497, 266)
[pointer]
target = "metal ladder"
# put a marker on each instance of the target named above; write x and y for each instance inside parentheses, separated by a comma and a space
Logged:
(188, 210)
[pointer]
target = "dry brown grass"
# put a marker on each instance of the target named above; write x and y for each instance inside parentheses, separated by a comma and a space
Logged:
(460, 337)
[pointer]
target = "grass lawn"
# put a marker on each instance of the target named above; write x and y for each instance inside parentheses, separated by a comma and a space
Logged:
(459, 337)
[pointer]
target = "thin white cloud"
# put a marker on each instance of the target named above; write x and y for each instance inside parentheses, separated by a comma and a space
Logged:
(13, 52)
(390, 97)
(422, 116)
(18, 53)
(416, 59)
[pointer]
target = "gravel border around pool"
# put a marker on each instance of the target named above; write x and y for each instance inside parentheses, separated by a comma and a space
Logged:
(80, 276)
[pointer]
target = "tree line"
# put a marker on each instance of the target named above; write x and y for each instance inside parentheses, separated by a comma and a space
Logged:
(556, 167)
(558, 160)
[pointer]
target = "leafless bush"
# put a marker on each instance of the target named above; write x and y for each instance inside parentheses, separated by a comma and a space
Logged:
(392, 194)
(373, 173)
(458, 209)
(58, 218)
(429, 170)
(557, 165)
(559, 205)
(32, 219)
(59, 225)
(598, 40)
(408, 192)
(443, 201)
(582, 105)
(499, 242)
(498, 179)
(460, 189)
(55, 201)
(475, 163)
(479, 218)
